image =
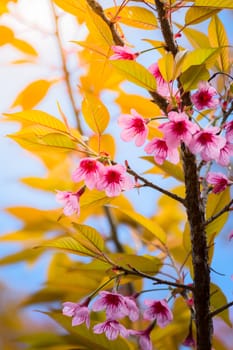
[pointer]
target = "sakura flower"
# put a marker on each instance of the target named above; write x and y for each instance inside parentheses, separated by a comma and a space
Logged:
(163, 88)
(123, 53)
(178, 129)
(134, 125)
(229, 131)
(79, 313)
(89, 171)
(144, 339)
(116, 305)
(189, 341)
(218, 180)
(133, 311)
(70, 201)
(159, 310)
(161, 151)
(207, 143)
(225, 154)
(111, 328)
(114, 179)
(204, 97)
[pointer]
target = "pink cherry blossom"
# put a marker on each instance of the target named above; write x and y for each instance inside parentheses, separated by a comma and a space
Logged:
(218, 180)
(144, 339)
(163, 88)
(229, 131)
(178, 128)
(134, 125)
(207, 143)
(189, 341)
(159, 310)
(70, 201)
(111, 328)
(123, 53)
(161, 151)
(79, 313)
(204, 97)
(89, 171)
(116, 305)
(225, 154)
(114, 179)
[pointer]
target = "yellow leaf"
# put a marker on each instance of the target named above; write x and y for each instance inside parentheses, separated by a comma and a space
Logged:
(218, 300)
(166, 66)
(36, 117)
(24, 46)
(141, 104)
(199, 57)
(33, 94)
(218, 38)
(91, 235)
(148, 224)
(168, 169)
(72, 6)
(95, 113)
(99, 29)
(196, 15)
(215, 203)
(136, 73)
(196, 38)
(192, 76)
(93, 199)
(222, 4)
(103, 144)
(133, 16)
(6, 35)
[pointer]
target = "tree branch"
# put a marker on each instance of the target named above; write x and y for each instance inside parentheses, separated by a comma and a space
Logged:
(155, 187)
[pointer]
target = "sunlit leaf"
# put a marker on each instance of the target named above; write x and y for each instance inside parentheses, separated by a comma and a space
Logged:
(199, 57)
(136, 73)
(166, 66)
(134, 16)
(146, 223)
(95, 113)
(6, 35)
(33, 94)
(72, 6)
(222, 4)
(168, 169)
(141, 104)
(196, 15)
(215, 203)
(91, 235)
(24, 46)
(104, 144)
(192, 76)
(218, 300)
(196, 38)
(218, 38)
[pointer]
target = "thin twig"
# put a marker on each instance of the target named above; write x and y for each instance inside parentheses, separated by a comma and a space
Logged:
(114, 235)
(64, 68)
(155, 187)
(214, 217)
(221, 309)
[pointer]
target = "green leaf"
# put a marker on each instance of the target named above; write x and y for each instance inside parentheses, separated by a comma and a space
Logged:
(69, 245)
(192, 76)
(136, 73)
(148, 224)
(169, 169)
(141, 263)
(218, 300)
(95, 113)
(199, 57)
(90, 237)
(221, 4)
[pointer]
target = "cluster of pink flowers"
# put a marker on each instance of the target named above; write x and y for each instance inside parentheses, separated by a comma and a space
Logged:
(117, 307)
(111, 178)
